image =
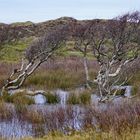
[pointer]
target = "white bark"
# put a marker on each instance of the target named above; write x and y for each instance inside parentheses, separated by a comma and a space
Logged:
(28, 70)
(86, 72)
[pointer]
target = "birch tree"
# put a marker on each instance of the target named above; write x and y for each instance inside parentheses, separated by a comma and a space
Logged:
(81, 39)
(39, 51)
(114, 47)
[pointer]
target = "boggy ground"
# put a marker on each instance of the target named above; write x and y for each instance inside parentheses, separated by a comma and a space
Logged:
(67, 73)
(116, 122)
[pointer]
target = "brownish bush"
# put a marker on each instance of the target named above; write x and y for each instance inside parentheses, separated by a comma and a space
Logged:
(125, 117)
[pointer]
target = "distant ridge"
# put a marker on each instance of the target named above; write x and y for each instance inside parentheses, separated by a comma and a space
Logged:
(20, 30)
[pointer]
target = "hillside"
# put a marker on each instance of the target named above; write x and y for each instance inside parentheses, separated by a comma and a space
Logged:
(18, 30)
(27, 29)
(16, 37)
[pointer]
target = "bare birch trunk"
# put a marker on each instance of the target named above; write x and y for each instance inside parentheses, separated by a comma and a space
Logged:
(86, 72)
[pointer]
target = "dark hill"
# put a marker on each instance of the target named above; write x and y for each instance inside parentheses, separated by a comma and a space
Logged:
(16, 31)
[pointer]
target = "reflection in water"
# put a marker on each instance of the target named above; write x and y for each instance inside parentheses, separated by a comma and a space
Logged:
(40, 99)
(63, 95)
(15, 128)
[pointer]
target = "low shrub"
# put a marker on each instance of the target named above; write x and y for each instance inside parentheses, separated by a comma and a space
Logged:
(118, 118)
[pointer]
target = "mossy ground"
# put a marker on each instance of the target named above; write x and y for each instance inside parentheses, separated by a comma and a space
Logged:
(14, 51)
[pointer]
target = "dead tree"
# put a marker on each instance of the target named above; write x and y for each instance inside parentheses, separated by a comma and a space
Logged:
(81, 39)
(114, 48)
(38, 52)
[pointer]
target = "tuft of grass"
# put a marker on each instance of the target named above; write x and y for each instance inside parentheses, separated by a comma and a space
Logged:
(80, 98)
(52, 98)
(85, 98)
(73, 99)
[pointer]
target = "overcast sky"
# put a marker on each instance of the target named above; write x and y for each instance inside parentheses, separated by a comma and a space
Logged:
(42, 10)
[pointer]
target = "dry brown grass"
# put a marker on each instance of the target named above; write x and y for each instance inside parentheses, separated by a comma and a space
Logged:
(64, 73)
(125, 117)
(6, 112)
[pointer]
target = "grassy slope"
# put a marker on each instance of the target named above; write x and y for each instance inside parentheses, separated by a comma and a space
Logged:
(12, 52)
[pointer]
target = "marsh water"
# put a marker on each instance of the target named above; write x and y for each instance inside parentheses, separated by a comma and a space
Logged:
(61, 116)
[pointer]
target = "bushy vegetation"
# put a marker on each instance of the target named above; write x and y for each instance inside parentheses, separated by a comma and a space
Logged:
(115, 123)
